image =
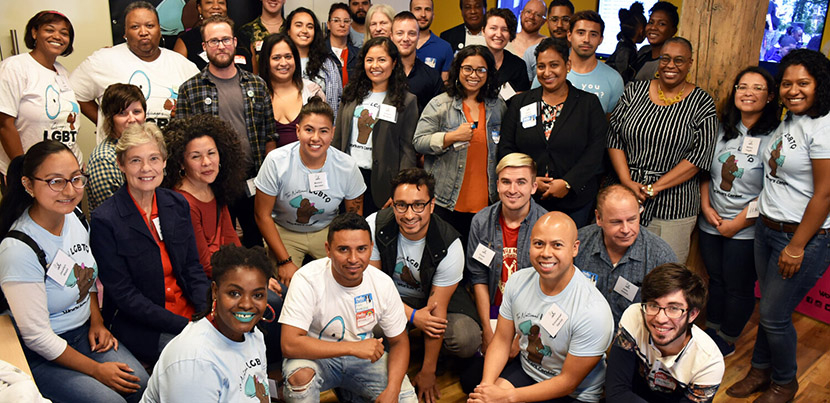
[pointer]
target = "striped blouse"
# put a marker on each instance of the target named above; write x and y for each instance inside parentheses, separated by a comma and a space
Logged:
(656, 138)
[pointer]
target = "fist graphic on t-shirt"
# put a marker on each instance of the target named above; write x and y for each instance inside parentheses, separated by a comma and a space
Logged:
(365, 124)
(305, 209)
(776, 159)
(84, 277)
(729, 171)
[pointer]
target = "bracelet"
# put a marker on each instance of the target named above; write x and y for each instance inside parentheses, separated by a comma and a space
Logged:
(791, 256)
(412, 316)
(282, 262)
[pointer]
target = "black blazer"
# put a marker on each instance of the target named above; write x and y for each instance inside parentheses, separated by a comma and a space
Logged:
(455, 36)
(129, 263)
(574, 152)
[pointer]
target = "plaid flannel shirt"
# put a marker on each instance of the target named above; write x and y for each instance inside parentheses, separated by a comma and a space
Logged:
(104, 176)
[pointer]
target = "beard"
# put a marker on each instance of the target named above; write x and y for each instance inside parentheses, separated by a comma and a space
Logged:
(360, 19)
(220, 61)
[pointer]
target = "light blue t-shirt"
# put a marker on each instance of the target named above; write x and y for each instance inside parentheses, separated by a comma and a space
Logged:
(68, 303)
(788, 169)
(530, 61)
(603, 81)
(744, 178)
(298, 208)
(587, 331)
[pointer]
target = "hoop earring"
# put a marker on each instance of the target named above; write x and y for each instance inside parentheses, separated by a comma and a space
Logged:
(212, 313)
(273, 314)
(182, 172)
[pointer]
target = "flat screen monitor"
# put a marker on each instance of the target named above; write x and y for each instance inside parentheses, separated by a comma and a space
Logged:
(792, 24)
(609, 11)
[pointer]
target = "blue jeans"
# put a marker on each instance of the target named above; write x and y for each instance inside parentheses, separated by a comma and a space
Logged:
(61, 384)
(731, 267)
(776, 342)
(361, 379)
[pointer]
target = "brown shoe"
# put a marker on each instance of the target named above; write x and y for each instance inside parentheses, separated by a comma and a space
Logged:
(756, 380)
(778, 393)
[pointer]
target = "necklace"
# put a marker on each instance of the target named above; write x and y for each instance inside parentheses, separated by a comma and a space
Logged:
(674, 99)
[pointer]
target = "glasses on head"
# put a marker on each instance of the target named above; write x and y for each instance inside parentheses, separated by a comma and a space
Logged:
(533, 14)
(346, 21)
(671, 311)
(679, 61)
(468, 70)
(556, 19)
(215, 42)
(417, 207)
(59, 184)
(750, 88)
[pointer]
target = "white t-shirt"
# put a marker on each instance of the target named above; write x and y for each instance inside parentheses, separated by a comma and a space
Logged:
(159, 80)
(329, 311)
(407, 276)
(298, 208)
(363, 121)
(788, 177)
(587, 331)
(41, 101)
(202, 365)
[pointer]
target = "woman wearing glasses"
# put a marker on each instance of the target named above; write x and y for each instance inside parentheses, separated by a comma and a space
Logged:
(726, 225)
(563, 129)
(458, 132)
(72, 355)
(661, 134)
(338, 40)
(143, 241)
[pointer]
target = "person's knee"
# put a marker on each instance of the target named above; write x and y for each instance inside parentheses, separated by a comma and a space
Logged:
(300, 380)
(463, 336)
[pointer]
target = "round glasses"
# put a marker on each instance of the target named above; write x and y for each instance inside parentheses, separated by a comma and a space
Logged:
(59, 184)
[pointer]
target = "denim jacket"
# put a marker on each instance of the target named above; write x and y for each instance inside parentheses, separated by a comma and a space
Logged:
(444, 114)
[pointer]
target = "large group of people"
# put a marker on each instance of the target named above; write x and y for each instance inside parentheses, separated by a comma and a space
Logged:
(519, 205)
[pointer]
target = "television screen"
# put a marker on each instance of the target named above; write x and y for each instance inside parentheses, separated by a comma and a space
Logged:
(608, 10)
(792, 24)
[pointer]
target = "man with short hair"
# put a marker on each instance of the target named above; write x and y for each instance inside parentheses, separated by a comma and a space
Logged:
(239, 98)
(328, 317)
(500, 237)
(471, 31)
(338, 37)
(139, 61)
(432, 50)
(615, 254)
(559, 23)
(532, 18)
(424, 256)
(424, 82)
(658, 354)
(563, 322)
(587, 73)
(357, 31)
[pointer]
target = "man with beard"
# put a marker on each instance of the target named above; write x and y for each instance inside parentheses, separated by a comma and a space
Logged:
(559, 22)
(423, 81)
(587, 73)
(532, 19)
(658, 354)
(358, 10)
(470, 32)
(432, 50)
(221, 89)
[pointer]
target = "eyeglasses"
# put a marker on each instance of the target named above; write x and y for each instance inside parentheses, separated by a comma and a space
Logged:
(417, 207)
(346, 21)
(556, 19)
(215, 42)
(468, 70)
(533, 14)
(671, 311)
(679, 61)
(750, 88)
(59, 184)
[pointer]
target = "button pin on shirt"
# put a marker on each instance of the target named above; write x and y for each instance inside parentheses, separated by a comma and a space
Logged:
(250, 93)
(208, 101)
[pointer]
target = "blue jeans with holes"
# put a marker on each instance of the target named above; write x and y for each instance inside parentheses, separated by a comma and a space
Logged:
(776, 342)
(360, 379)
(61, 384)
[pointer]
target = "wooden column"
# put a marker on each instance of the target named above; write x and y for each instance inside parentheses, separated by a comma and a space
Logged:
(726, 36)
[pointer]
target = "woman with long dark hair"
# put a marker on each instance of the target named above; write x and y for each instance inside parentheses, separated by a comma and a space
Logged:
(632, 32)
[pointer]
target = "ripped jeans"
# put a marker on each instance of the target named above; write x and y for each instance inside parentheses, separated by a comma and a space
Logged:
(360, 379)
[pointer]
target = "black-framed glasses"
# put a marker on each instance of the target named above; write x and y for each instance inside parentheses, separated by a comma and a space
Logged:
(59, 184)
(671, 311)
(679, 61)
(468, 70)
(215, 42)
(750, 88)
(417, 207)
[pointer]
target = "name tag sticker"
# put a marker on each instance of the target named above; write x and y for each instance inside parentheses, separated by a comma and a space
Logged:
(388, 113)
(240, 59)
(258, 45)
(507, 91)
(751, 145)
(554, 319)
(626, 288)
(752, 210)
(204, 57)
(60, 268)
(527, 114)
(157, 224)
(430, 61)
(483, 254)
(250, 188)
(364, 310)
(62, 83)
(318, 181)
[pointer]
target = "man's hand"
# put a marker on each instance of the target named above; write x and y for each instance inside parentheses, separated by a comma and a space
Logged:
(389, 395)
(286, 272)
(430, 324)
(369, 349)
(424, 383)
(486, 393)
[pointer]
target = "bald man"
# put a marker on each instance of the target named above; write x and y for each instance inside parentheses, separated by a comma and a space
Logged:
(532, 18)
(563, 322)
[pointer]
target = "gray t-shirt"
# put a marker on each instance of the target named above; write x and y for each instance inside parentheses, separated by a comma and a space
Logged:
(232, 107)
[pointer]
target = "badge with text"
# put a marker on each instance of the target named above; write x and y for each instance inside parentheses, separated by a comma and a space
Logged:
(507, 91)
(61, 267)
(752, 210)
(483, 254)
(204, 57)
(317, 182)
(157, 224)
(554, 319)
(250, 187)
(527, 114)
(388, 113)
(626, 288)
(240, 59)
(62, 83)
(364, 310)
(663, 380)
(751, 145)
(258, 45)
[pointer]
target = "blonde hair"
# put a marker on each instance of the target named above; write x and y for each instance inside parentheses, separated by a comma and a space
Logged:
(138, 134)
(516, 160)
(383, 8)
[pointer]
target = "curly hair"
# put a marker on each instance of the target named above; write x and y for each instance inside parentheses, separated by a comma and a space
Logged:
(360, 86)
(230, 257)
(265, 60)
(506, 15)
(319, 49)
(180, 132)
(770, 115)
(818, 66)
(490, 90)
(669, 9)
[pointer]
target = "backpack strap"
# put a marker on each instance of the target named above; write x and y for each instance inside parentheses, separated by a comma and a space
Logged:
(22, 237)
(81, 217)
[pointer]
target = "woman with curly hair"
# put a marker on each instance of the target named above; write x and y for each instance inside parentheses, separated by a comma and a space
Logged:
(197, 145)
(458, 132)
(792, 245)
(378, 120)
(318, 62)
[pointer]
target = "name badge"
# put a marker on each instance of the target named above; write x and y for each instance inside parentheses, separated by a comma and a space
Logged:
(258, 45)
(554, 319)
(496, 136)
(157, 224)
(239, 59)
(751, 145)
(62, 83)
(204, 57)
(318, 181)
(250, 188)
(507, 91)
(430, 61)
(483, 254)
(364, 310)
(60, 268)
(626, 288)
(527, 115)
(752, 210)
(388, 113)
